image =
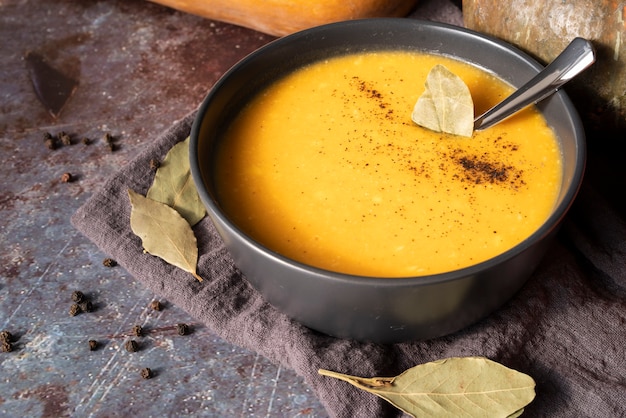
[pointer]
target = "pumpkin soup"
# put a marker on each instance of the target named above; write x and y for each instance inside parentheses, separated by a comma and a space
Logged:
(326, 167)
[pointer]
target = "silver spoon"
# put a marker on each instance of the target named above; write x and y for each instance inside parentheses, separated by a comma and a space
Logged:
(575, 58)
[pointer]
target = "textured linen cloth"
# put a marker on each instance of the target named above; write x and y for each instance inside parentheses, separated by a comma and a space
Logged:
(565, 328)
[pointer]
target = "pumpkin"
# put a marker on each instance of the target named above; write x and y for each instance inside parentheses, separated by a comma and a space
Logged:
(282, 17)
(544, 27)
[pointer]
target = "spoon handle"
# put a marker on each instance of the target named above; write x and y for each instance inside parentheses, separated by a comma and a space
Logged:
(578, 55)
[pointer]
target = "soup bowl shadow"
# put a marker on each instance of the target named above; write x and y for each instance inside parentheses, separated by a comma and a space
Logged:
(382, 310)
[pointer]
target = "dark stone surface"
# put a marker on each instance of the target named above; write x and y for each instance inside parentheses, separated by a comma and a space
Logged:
(139, 67)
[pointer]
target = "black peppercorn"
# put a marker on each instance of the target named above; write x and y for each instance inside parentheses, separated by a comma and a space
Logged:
(51, 144)
(183, 329)
(78, 296)
(6, 347)
(156, 305)
(154, 164)
(6, 336)
(146, 373)
(75, 309)
(109, 140)
(86, 306)
(131, 346)
(93, 345)
(65, 138)
(138, 330)
(109, 262)
(50, 141)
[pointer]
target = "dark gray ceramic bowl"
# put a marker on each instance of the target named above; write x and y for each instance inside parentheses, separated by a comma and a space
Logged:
(383, 310)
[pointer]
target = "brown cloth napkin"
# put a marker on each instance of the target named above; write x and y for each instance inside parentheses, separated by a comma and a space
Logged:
(566, 327)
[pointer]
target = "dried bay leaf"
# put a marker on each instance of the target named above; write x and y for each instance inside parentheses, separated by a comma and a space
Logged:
(164, 232)
(446, 104)
(174, 186)
(453, 387)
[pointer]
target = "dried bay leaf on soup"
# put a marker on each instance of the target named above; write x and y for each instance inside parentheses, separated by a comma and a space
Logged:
(174, 186)
(446, 104)
(164, 232)
(453, 387)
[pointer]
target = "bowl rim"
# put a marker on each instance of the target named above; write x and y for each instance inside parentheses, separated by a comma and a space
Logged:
(555, 218)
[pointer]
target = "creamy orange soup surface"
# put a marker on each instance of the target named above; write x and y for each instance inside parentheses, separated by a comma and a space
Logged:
(326, 167)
